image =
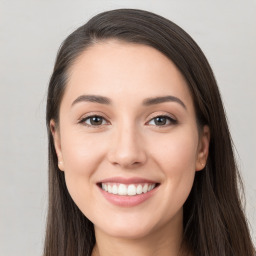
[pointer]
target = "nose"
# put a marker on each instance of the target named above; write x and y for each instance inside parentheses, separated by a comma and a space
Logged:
(127, 149)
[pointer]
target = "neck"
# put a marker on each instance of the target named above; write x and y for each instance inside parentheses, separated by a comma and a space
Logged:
(165, 241)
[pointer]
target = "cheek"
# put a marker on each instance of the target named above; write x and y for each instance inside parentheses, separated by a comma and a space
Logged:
(179, 158)
(177, 152)
(81, 157)
(81, 152)
(176, 157)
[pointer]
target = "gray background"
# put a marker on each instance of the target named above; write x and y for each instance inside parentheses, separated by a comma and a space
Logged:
(30, 34)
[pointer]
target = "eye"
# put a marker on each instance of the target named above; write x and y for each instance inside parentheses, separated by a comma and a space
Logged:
(93, 121)
(162, 121)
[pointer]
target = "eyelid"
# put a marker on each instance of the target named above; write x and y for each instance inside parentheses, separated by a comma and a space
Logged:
(90, 115)
(157, 114)
(170, 117)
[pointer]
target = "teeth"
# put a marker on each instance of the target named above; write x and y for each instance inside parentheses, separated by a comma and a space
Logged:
(139, 189)
(105, 187)
(145, 188)
(124, 190)
(114, 189)
(131, 191)
(150, 187)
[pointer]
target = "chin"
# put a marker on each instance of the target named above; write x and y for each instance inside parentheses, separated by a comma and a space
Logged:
(129, 232)
(126, 229)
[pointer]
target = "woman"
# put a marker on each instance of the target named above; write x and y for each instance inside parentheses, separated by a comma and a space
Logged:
(140, 155)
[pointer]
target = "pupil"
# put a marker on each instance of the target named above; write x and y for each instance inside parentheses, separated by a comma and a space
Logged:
(161, 120)
(96, 120)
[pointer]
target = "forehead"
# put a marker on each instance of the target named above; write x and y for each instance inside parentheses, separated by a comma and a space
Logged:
(113, 69)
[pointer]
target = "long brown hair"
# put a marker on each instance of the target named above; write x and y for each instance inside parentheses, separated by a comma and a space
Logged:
(214, 221)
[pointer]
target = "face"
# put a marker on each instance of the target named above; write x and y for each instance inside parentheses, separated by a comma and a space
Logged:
(127, 139)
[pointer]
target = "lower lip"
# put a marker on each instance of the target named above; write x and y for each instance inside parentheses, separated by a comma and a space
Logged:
(128, 201)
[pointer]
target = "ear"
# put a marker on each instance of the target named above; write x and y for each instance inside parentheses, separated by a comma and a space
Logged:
(203, 148)
(57, 143)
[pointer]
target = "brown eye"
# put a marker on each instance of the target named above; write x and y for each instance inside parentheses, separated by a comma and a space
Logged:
(162, 121)
(94, 121)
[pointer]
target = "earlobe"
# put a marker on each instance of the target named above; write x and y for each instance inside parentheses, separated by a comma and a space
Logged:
(203, 148)
(57, 143)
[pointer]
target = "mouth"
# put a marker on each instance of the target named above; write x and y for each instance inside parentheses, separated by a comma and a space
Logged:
(127, 192)
(122, 189)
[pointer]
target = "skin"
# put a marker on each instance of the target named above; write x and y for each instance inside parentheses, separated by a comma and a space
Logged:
(130, 143)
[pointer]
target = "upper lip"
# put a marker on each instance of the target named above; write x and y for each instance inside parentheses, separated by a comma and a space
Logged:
(122, 180)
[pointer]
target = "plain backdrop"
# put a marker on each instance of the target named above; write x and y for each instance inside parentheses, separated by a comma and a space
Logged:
(30, 35)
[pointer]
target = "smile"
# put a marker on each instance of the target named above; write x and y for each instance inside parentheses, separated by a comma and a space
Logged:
(127, 192)
(127, 189)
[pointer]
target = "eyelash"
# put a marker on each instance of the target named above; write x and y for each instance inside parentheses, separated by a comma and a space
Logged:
(169, 119)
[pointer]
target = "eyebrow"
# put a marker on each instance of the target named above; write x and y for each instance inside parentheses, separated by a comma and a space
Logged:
(146, 102)
(92, 98)
(158, 100)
